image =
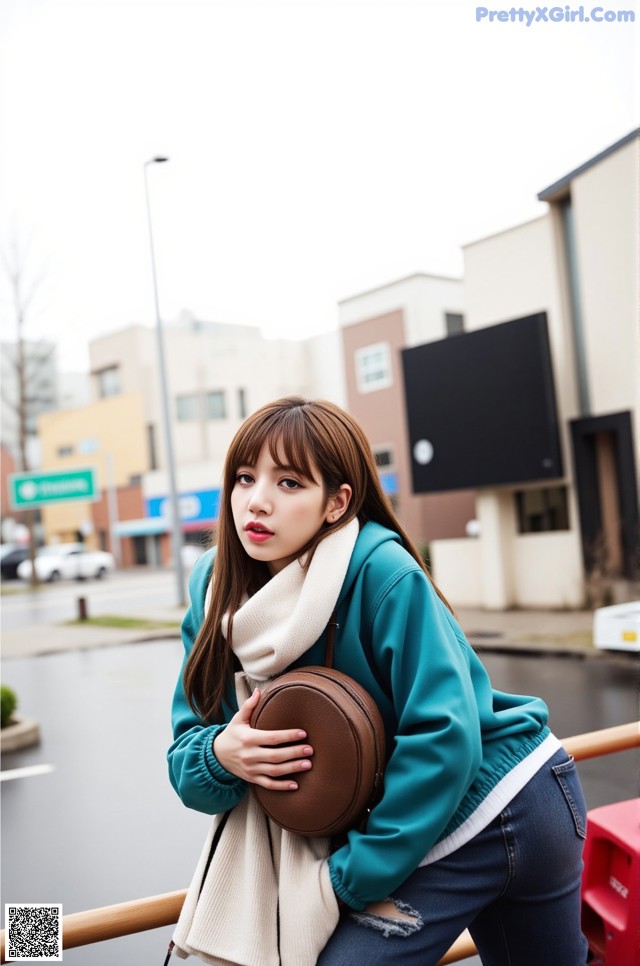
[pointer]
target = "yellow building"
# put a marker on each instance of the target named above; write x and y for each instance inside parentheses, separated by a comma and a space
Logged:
(109, 435)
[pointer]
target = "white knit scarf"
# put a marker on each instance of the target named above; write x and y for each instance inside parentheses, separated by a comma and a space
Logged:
(267, 899)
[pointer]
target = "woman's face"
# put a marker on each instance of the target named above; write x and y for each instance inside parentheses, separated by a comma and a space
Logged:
(277, 510)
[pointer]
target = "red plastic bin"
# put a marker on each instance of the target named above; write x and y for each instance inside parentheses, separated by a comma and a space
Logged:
(611, 884)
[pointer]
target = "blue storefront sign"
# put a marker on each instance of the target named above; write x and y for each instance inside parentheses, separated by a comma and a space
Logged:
(389, 483)
(197, 506)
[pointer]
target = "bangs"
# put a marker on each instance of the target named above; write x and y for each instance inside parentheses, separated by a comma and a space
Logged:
(288, 437)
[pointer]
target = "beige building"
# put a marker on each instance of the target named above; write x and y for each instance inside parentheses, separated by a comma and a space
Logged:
(542, 543)
(107, 435)
(376, 326)
(216, 375)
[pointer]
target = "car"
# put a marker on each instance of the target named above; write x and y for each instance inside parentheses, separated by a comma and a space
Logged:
(189, 554)
(11, 558)
(68, 560)
(617, 628)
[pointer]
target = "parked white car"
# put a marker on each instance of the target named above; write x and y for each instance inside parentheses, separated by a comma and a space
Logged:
(617, 628)
(69, 561)
(189, 554)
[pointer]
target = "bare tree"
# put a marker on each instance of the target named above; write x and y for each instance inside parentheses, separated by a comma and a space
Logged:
(23, 395)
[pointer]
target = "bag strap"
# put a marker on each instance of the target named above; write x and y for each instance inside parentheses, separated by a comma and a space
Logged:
(332, 626)
(214, 845)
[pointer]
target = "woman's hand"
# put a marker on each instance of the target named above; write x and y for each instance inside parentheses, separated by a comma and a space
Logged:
(255, 756)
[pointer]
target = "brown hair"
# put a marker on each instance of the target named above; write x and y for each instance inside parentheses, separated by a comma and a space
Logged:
(317, 438)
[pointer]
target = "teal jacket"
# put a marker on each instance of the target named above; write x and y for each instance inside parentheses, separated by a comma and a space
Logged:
(451, 736)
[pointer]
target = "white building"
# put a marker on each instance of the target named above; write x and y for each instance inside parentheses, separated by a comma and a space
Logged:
(40, 394)
(217, 375)
(541, 541)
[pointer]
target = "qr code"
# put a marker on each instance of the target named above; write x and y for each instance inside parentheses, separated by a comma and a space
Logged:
(34, 931)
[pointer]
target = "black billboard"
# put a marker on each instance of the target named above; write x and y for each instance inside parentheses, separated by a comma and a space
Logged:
(481, 408)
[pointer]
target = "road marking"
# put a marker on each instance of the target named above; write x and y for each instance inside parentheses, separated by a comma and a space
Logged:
(10, 774)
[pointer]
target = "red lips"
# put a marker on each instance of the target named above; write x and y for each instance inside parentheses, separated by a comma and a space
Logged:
(254, 527)
(257, 532)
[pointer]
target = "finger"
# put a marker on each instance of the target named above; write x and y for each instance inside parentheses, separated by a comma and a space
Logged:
(286, 768)
(275, 761)
(270, 738)
(278, 755)
(246, 708)
(276, 784)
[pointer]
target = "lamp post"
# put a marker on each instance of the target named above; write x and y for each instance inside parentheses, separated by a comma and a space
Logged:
(166, 414)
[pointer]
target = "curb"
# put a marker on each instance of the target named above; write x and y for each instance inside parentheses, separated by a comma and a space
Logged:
(18, 650)
(19, 733)
(482, 646)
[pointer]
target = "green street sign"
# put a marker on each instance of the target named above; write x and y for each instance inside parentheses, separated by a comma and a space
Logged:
(28, 490)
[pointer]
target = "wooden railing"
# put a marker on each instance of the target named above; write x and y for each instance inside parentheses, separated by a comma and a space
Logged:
(153, 912)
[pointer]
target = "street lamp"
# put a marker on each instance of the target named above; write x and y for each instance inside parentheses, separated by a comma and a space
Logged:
(166, 414)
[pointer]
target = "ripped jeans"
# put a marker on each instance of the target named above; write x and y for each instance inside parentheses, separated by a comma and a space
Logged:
(515, 886)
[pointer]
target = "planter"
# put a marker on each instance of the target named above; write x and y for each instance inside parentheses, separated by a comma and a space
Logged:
(19, 733)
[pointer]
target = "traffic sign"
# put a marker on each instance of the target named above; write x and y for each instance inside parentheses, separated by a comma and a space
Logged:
(27, 490)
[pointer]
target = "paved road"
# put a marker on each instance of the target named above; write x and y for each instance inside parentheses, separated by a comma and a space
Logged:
(104, 826)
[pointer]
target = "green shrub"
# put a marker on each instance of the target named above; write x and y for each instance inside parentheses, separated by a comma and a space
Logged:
(9, 704)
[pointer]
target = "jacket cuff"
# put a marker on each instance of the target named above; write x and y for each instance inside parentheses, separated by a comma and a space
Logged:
(343, 895)
(213, 766)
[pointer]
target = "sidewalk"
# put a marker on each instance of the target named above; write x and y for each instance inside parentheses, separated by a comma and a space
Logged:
(53, 638)
(563, 633)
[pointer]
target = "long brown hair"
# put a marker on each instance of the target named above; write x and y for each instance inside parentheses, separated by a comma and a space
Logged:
(320, 440)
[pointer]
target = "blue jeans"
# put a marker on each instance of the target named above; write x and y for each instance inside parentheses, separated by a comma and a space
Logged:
(515, 886)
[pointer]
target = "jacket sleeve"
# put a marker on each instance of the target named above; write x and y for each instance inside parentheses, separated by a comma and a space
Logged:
(195, 773)
(437, 748)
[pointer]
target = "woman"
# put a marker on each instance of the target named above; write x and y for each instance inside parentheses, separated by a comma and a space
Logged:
(482, 819)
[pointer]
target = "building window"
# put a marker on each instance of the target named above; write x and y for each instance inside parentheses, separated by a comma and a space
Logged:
(216, 406)
(454, 322)
(540, 511)
(186, 408)
(242, 403)
(383, 456)
(64, 451)
(373, 367)
(88, 446)
(108, 382)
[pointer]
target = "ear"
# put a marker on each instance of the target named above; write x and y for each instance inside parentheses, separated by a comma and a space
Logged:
(338, 503)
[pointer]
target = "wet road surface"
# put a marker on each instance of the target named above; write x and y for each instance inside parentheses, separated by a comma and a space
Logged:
(104, 826)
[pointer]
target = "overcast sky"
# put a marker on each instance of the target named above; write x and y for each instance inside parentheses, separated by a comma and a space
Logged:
(318, 148)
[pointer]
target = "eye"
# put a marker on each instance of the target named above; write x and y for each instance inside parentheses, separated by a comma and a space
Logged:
(244, 479)
(290, 484)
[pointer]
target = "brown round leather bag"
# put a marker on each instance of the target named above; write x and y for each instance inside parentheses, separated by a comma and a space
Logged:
(345, 729)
